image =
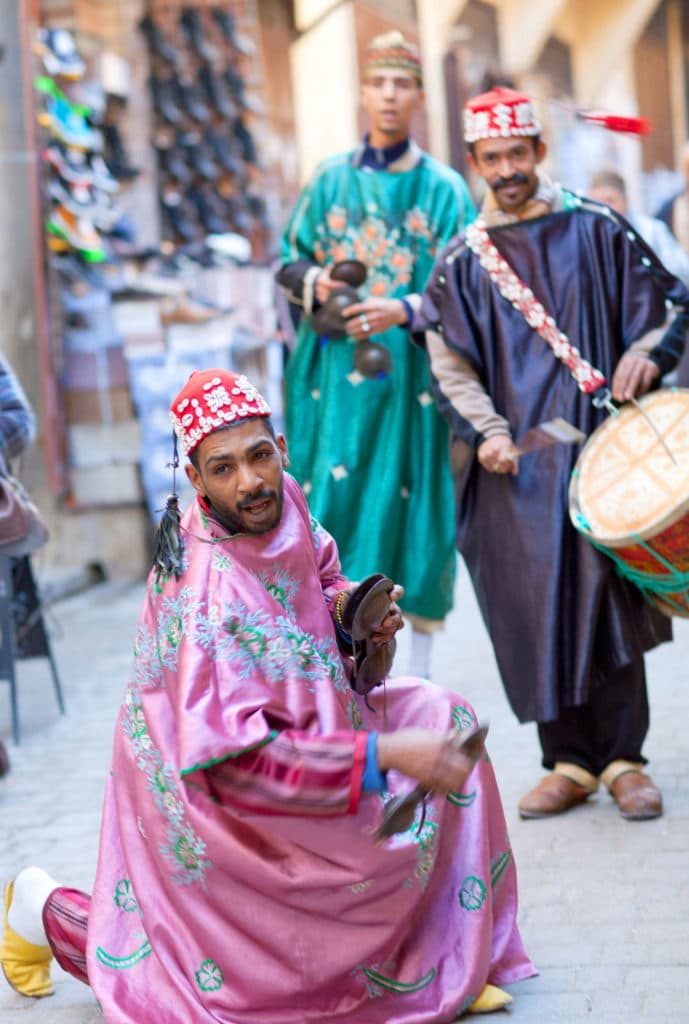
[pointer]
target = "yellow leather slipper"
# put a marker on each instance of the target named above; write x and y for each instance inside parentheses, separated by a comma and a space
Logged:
(491, 999)
(26, 967)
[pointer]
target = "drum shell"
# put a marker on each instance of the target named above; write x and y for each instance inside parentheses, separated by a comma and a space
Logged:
(656, 558)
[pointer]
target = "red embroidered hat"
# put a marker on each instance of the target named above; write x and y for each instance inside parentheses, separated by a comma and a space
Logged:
(211, 399)
(500, 113)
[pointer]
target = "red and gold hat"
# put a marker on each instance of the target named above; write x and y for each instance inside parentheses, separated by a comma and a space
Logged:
(211, 399)
(392, 50)
(499, 114)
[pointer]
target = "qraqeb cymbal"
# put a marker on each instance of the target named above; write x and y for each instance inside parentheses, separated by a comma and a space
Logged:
(372, 359)
(352, 272)
(328, 320)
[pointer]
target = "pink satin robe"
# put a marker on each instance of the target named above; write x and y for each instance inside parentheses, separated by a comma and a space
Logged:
(238, 879)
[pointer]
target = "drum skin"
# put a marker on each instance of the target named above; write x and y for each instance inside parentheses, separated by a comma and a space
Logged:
(629, 495)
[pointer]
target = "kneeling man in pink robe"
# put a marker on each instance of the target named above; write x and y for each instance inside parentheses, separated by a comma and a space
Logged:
(243, 875)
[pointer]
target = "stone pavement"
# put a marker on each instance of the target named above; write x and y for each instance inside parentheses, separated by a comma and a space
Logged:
(604, 902)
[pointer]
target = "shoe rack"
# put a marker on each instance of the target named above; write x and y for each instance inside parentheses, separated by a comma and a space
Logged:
(206, 85)
(80, 183)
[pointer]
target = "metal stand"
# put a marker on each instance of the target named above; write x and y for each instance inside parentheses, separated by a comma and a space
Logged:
(22, 630)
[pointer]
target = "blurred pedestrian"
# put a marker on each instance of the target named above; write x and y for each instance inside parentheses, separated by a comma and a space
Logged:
(607, 186)
(545, 298)
(675, 210)
(372, 453)
(17, 432)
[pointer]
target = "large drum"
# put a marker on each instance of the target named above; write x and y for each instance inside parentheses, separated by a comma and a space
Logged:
(629, 494)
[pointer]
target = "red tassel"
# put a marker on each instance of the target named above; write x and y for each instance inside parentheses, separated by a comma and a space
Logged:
(617, 123)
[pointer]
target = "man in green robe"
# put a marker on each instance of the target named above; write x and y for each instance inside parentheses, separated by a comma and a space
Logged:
(372, 453)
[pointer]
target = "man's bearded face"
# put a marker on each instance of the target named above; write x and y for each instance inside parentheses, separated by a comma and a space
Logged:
(240, 472)
(508, 166)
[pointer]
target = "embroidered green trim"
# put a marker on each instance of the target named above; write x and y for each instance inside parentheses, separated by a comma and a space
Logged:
(228, 757)
(499, 866)
(121, 963)
(461, 799)
(398, 986)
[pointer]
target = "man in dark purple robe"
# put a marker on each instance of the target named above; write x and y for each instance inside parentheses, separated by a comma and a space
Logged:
(569, 634)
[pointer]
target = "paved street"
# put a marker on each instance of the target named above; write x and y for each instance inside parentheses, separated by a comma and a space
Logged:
(604, 902)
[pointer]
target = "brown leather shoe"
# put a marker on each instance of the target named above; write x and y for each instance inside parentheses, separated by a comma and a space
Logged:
(554, 794)
(637, 796)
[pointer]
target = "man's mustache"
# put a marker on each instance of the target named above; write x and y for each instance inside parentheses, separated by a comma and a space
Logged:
(515, 179)
(258, 496)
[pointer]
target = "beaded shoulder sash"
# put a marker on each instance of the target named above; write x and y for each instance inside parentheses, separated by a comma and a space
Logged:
(512, 288)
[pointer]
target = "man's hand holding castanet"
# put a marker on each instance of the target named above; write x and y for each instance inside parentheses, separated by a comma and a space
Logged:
(437, 762)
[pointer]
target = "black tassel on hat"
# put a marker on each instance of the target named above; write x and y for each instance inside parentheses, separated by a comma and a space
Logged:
(167, 551)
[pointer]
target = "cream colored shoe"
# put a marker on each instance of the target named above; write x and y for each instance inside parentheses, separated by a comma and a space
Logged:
(491, 999)
(26, 967)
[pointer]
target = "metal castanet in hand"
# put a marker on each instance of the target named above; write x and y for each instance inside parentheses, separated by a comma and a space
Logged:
(400, 813)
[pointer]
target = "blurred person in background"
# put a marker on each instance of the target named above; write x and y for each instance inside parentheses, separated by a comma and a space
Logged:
(675, 211)
(372, 452)
(17, 432)
(607, 186)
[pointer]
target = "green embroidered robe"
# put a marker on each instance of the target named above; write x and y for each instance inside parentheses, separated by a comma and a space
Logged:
(372, 455)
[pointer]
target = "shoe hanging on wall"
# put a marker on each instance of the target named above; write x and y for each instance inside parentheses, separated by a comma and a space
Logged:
(191, 24)
(217, 93)
(163, 95)
(170, 160)
(188, 99)
(64, 120)
(226, 23)
(177, 216)
(58, 52)
(116, 156)
(77, 232)
(157, 43)
(223, 152)
(198, 156)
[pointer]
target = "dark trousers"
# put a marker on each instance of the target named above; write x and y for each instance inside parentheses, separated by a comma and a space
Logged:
(611, 726)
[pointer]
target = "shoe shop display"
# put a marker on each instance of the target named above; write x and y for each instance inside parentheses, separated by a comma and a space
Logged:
(183, 310)
(65, 121)
(226, 23)
(163, 102)
(78, 232)
(199, 157)
(245, 141)
(115, 154)
(70, 164)
(190, 102)
(209, 213)
(58, 52)
(202, 135)
(177, 217)
(158, 45)
(224, 154)
(192, 26)
(217, 93)
(170, 159)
